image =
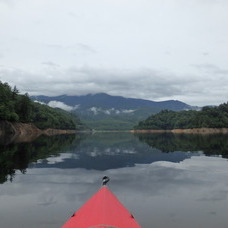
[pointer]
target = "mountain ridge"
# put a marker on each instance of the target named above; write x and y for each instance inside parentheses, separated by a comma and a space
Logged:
(94, 109)
(102, 96)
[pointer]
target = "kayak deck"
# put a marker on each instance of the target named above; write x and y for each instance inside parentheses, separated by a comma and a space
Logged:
(102, 210)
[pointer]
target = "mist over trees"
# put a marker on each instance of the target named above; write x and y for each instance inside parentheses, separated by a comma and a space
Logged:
(208, 117)
(15, 107)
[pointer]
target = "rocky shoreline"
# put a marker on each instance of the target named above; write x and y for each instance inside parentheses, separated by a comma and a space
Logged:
(187, 131)
(26, 132)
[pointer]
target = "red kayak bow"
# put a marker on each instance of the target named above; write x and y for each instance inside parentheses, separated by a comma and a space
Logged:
(102, 210)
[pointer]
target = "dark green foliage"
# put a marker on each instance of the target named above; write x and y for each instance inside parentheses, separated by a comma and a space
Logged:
(7, 103)
(110, 123)
(20, 108)
(45, 117)
(23, 108)
(209, 117)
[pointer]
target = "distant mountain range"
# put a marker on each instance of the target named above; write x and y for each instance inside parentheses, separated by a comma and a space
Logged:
(105, 112)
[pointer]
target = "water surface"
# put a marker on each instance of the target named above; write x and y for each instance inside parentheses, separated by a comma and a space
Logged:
(165, 180)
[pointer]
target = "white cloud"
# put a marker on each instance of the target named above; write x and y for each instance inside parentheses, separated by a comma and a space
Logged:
(76, 107)
(128, 110)
(143, 49)
(95, 110)
(199, 88)
(40, 102)
(108, 112)
(50, 64)
(59, 104)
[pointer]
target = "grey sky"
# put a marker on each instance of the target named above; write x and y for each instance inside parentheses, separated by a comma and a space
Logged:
(151, 49)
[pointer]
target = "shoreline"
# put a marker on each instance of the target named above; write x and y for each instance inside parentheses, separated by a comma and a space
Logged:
(186, 131)
(26, 132)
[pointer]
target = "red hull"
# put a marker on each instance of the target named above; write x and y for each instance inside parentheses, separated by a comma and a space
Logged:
(102, 210)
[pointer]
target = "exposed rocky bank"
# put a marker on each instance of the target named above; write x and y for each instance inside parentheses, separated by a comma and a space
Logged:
(187, 131)
(26, 132)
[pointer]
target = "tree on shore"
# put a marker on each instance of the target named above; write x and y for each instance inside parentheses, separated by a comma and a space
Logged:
(16, 107)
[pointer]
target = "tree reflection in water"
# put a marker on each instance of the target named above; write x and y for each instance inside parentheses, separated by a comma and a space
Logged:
(15, 157)
(211, 144)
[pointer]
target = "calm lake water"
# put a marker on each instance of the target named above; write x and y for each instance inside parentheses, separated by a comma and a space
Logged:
(165, 180)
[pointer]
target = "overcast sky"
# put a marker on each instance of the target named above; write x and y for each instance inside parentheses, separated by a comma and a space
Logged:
(150, 49)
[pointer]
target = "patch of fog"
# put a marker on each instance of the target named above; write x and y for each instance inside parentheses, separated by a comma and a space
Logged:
(40, 102)
(128, 110)
(108, 112)
(97, 110)
(77, 106)
(59, 104)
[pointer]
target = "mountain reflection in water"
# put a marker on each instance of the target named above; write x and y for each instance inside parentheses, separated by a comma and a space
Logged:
(165, 180)
(110, 151)
(103, 151)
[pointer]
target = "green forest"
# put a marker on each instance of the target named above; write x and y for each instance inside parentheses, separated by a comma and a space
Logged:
(15, 107)
(208, 117)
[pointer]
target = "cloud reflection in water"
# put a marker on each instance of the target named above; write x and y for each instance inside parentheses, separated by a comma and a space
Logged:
(192, 193)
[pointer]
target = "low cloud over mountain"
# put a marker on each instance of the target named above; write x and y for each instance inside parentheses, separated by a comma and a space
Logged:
(103, 111)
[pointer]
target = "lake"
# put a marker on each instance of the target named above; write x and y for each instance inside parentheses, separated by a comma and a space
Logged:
(165, 180)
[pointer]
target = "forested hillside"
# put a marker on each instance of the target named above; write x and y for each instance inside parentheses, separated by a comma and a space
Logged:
(20, 108)
(208, 117)
(102, 111)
